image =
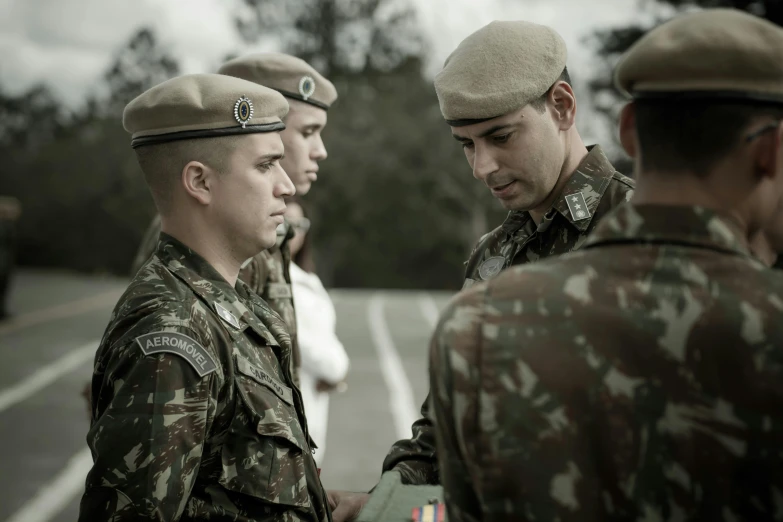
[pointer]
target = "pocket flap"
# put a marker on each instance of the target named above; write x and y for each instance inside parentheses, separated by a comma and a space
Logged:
(263, 378)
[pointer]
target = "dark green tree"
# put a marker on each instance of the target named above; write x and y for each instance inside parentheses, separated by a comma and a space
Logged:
(85, 202)
(610, 44)
(336, 35)
(142, 63)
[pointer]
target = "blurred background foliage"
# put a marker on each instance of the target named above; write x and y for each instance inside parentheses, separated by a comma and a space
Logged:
(395, 205)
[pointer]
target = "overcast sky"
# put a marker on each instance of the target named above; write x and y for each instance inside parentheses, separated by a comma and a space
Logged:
(67, 44)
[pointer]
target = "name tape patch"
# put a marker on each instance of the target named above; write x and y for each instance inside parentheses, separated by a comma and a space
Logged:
(179, 344)
(261, 377)
(578, 206)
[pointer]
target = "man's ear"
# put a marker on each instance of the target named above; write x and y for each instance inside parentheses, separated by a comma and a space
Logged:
(767, 153)
(627, 124)
(563, 100)
(197, 180)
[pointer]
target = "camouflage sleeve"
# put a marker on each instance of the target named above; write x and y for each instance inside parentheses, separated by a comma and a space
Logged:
(454, 381)
(150, 418)
(415, 458)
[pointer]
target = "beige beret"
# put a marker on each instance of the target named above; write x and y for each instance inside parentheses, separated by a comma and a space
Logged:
(288, 75)
(202, 106)
(498, 69)
(716, 53)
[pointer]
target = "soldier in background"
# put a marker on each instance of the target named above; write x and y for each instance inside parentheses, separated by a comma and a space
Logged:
(10, 210)
(195, 414)
(506, 94)
(310, 96)
(640, 378)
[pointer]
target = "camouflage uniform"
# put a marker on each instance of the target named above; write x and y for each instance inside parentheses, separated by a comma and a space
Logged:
(640, 378)
(195, 415)
(518, 240)
(267, 274)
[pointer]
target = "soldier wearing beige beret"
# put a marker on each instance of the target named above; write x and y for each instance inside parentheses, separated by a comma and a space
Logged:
(507, 98)
(195, 412)
(309, 96)
(640, 378)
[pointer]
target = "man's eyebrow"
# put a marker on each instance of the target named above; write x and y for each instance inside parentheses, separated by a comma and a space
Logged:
(267, 158)
(496, 128)
(460, 138)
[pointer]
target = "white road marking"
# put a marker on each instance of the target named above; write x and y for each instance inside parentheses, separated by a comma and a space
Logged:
(429, 309)
(57, 494)
(46, 375)
(62, 311)
(404, 412)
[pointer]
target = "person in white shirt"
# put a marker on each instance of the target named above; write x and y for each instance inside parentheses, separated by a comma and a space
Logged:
(324, 361)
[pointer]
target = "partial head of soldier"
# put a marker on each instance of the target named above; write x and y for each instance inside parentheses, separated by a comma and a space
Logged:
(210, 149)
(704, 126)
(506, 93)
(309, 95)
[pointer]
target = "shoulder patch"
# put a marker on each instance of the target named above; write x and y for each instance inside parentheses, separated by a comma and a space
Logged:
(179, 344)
(491, 267)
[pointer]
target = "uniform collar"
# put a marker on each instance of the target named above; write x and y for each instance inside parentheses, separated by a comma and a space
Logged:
(234, 305)
(587, 184)
(681, 225)
(285, 231)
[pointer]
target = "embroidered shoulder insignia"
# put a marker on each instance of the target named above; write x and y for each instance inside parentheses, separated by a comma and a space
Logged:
(179, 344)
(578, 206)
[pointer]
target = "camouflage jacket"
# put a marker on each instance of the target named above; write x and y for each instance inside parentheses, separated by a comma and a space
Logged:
(267, 274)
(194, 413)
(640, 378)
(598, 188)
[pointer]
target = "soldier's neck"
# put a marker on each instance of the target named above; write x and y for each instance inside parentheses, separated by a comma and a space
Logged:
(689, 190)
(761, 248)
(577, 151)
(204, 243)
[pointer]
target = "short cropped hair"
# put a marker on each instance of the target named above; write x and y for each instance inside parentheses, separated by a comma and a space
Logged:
(162, 164)
(539, 104)
(693, 136)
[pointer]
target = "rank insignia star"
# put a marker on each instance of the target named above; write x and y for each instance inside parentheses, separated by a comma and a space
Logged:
(577, 206)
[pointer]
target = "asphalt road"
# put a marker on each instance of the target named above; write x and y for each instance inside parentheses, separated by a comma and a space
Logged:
(47, 349)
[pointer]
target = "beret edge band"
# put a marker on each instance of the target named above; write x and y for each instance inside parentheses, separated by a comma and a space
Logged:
(289, 94)
(727, 95)
(157, 139)
(469, 121)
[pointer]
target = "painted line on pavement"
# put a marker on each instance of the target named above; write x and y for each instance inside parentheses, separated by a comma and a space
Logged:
(61, 311)
(429, 309)
(46, 375)
(403, 409)
(57, 494)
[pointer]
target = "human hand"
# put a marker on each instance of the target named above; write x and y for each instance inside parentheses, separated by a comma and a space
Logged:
(346, 505)
(327, 387)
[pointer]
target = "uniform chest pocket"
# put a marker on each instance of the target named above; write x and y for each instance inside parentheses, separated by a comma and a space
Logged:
(264, 453)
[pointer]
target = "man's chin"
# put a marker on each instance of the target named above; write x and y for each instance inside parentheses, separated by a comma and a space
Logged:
(303, 188)
(518, 204)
